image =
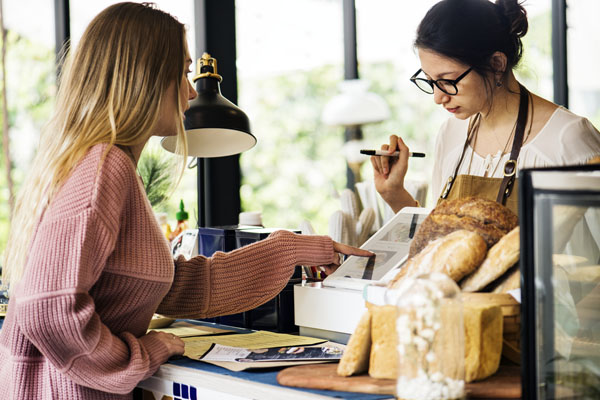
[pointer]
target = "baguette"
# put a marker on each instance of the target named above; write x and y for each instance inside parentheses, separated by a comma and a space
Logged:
(511, 280)
(500, 258)
(455, 255)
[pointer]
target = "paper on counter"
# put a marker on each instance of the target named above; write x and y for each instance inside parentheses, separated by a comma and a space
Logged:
(225, 353)
(196, 347)
(185, 329)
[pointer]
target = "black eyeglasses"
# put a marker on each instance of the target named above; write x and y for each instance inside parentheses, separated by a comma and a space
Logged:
(447, 86)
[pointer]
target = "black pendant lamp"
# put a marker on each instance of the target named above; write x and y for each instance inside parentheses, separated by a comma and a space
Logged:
(215, 127)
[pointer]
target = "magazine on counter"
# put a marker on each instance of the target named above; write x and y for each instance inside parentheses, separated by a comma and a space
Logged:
(324, 352)
(390, 244)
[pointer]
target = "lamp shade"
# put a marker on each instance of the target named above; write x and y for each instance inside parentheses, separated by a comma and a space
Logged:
(355, 105)
(215, 127)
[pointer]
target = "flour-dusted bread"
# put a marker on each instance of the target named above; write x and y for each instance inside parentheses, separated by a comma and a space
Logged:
(456, 255)
(488, 218)
(356, 356)
(499, 259)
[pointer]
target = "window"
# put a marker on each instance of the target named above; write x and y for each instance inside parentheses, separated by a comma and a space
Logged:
(583, 58)
(386, 31)
(290, 60)
(30, 88)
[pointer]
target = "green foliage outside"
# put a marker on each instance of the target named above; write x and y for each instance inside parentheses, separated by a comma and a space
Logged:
(31, 85)
(155, 168)
(293, 171)
(535, 68)
(158, 170)
(297, 166)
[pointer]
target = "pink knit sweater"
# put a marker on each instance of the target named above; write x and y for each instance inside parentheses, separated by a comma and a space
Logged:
(99, 267)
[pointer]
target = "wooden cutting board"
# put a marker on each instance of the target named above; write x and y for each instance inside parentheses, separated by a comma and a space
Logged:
(505, 384)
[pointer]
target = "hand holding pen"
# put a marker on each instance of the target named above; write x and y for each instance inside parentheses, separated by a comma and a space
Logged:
(385, 153)
(389, 169)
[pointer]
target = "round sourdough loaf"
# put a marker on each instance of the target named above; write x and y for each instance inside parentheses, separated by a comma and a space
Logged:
(487, 218)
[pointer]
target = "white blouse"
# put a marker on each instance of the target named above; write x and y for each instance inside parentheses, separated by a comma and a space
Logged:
(566, 139)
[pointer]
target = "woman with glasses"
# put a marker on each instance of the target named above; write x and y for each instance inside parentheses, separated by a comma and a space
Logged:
(468, 50)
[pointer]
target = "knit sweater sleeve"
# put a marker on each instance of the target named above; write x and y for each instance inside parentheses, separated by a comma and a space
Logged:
(242, 279)
(55, 310)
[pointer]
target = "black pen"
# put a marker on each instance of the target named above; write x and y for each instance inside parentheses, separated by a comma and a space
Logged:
(394, 154)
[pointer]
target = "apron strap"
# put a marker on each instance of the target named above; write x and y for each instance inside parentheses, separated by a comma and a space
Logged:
(510, 167)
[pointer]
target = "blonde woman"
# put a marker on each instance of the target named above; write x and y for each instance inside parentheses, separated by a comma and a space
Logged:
(89, 265)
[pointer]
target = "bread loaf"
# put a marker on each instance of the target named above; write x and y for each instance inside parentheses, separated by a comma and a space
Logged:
(455, 255)
(488, 218)
(483, 340)
(499, 259)
(383, 363)
(356, 356)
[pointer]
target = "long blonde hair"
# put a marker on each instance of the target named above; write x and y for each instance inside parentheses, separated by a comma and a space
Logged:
(111, 91)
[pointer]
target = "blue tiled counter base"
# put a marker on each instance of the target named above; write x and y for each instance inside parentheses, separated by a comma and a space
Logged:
(269, 377)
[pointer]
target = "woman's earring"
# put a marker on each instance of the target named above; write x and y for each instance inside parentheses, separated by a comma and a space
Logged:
(498, 83)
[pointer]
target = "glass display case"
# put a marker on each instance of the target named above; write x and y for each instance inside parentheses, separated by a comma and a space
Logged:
(560, 282)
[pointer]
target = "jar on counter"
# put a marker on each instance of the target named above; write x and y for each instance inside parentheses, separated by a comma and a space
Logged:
(431, 344)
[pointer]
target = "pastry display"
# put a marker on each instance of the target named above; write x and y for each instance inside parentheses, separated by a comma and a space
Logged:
(485, 217)
(476, 243)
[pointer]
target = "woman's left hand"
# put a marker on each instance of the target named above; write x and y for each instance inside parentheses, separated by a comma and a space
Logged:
(343, 249)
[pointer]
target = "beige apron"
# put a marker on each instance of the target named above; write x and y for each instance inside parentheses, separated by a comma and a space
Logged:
(471, 185)
(503, 190)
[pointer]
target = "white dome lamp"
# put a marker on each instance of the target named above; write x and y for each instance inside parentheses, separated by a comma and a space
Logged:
(355, 105)
(352, 107)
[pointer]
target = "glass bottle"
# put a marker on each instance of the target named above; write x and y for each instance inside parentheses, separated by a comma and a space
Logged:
(164, 224)
(431, 344)
(182, 221)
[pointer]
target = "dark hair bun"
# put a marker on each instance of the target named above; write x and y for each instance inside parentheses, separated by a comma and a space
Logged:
(515, 15)
(470, 31)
